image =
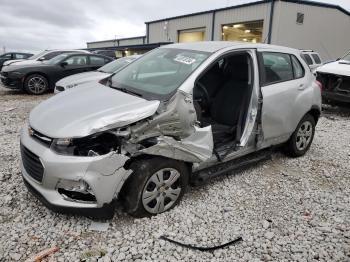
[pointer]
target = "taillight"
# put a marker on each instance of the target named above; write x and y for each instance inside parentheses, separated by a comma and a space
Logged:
(319, 84)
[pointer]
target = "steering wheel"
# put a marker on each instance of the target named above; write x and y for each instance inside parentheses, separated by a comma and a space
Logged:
(205, 93)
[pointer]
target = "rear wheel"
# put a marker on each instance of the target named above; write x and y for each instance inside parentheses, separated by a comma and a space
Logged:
(300, 141)
(36, 84)
(155, 186)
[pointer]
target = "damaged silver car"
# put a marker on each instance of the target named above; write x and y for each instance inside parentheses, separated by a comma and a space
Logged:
(180, 114)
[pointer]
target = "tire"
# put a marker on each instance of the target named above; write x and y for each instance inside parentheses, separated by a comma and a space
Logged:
(301, 140)
(144, 192)
(36, 84)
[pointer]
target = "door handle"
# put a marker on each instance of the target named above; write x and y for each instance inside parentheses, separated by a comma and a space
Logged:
(301, 87)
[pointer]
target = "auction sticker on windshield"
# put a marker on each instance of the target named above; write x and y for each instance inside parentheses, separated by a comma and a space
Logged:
(184, 59)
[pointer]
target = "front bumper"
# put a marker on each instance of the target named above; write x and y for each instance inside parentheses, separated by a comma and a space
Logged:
(10, 82)
(104, 175)
(335, 97)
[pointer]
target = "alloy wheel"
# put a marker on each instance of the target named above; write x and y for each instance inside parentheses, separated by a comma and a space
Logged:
(304, 135)
(37, 85)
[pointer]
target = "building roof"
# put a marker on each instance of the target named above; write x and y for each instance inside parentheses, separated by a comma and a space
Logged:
(214, 46)
(117, 39)
(303, 2)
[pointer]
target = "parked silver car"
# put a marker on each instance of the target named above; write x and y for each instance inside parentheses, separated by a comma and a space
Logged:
(176, 115)
(103, 72)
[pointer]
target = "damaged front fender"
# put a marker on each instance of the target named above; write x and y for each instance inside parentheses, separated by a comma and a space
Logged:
(106, 176)
(197, 147)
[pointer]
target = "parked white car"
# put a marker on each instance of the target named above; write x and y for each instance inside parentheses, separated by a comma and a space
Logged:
(335, 78)
(102, 72)
(312, 59)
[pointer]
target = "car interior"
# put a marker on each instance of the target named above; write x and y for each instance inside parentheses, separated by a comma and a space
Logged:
(222, 95)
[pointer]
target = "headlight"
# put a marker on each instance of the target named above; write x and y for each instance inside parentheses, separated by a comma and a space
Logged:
(97, 144)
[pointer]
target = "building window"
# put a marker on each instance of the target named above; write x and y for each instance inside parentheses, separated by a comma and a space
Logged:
(246, 31)
(191, 35)
(300, 18)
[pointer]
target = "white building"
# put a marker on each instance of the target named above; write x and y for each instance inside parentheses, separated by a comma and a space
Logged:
(301, 24)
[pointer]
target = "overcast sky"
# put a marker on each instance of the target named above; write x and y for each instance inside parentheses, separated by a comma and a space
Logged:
(27, 25)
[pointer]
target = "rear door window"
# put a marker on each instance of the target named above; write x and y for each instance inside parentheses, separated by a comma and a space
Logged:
(277, 67)
(316, 58)
(77, 60)
(97, 61)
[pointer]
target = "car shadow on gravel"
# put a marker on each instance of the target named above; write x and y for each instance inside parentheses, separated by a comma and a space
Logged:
(339, 110)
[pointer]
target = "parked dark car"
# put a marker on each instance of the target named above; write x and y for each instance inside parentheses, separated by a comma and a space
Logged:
(38, 78)
(13, 55)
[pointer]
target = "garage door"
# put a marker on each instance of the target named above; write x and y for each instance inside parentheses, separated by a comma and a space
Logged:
(246, 31)
(191, 35)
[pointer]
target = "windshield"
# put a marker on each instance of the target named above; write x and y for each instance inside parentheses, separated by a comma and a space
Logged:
(115, 65)
(56, 59)
(33, 57)
(347, 57)
(159, 73)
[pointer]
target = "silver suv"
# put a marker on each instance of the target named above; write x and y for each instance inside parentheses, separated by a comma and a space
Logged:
(181, 113)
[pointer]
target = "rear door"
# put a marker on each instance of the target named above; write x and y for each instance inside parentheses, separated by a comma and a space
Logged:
(283, 82)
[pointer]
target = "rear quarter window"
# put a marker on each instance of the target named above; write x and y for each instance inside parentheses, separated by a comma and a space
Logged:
(97, 61)
(298, 69)
(316, 58)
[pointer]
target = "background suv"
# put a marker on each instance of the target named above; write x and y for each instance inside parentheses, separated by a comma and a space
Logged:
(312, 59)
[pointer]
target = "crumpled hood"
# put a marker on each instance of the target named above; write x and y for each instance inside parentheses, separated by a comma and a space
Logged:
(88, 109)
(82, 78)
(19, 66)
(337, 68)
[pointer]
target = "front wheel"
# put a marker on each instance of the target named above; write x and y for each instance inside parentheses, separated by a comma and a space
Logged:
(36, 84)
(300, 141)
(155, 186)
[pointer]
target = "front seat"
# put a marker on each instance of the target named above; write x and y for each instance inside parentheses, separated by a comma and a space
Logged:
(227, 105)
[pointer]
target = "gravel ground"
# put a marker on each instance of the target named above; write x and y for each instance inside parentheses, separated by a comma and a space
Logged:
(284, 209)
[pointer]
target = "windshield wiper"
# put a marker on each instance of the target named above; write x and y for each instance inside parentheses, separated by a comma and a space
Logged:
(123, 89)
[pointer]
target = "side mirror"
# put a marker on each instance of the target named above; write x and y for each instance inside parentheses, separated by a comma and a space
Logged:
(63, 64)
(41, 59)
